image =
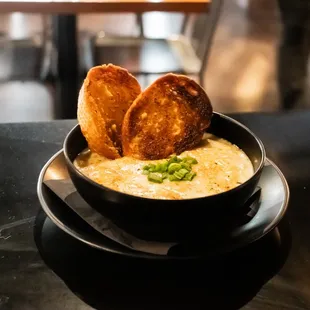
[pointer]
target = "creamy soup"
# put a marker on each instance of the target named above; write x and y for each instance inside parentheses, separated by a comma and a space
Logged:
(221, 167)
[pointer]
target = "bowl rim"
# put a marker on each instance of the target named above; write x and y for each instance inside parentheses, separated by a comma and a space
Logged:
(196, 199)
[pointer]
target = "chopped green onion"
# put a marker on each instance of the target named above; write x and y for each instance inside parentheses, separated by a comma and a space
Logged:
(189, 176)
(186, 166)
(174, 159)
(181, 173)
(163, 166)
(157, 168)
(174, 167)
(155, 177)
(173, 178)
(165, 175)
(190, 160)
(150, 167)
(160, 167)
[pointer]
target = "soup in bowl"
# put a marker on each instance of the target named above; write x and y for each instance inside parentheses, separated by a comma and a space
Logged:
(176, 198)
(213, 167)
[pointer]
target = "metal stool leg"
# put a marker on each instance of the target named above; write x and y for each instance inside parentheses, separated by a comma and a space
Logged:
(140, 24)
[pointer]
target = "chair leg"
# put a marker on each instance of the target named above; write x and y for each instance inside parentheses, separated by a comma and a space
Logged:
(47, 50)
(202, 79)
(88, 52)
(47, 62)
(139, 17)
(184, 24)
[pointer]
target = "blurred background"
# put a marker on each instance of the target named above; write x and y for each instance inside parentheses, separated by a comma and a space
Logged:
(236, 60)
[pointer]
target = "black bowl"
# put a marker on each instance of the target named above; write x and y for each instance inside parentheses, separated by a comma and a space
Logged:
(173, 220)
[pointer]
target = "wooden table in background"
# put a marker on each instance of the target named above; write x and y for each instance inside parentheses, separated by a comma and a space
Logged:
(65, 33)
(106, 6)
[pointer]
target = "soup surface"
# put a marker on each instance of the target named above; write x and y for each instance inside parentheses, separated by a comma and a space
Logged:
(221, 167)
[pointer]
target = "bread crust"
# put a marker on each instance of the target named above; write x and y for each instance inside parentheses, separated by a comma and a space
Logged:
(105, 96)
(169, 117)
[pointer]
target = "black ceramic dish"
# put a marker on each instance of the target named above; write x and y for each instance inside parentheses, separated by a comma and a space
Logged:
(165, 220)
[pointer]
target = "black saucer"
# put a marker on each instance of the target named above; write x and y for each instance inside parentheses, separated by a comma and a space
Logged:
(272, 207)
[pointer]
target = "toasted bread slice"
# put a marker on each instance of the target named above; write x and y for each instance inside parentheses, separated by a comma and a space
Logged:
(106, 94)
(169, 117)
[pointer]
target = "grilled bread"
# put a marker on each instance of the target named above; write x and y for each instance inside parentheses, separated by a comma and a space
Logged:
(169, 117)
(107, 93)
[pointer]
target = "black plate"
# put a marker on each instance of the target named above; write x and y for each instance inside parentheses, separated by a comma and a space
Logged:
(272, 207)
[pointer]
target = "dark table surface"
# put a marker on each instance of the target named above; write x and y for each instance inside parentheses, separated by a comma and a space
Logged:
(272, 273)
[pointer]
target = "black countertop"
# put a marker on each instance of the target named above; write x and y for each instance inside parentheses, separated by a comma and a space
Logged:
(270, 274)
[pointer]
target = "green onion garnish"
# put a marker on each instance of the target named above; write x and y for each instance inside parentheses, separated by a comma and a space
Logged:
(172, 178)
(190, 160)
(174, 159)
(163, 167)
(155, 177)
(165, 175)
(189, 176)
(149, 167)
(180, 174)
(174, 169)
(186, 166)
